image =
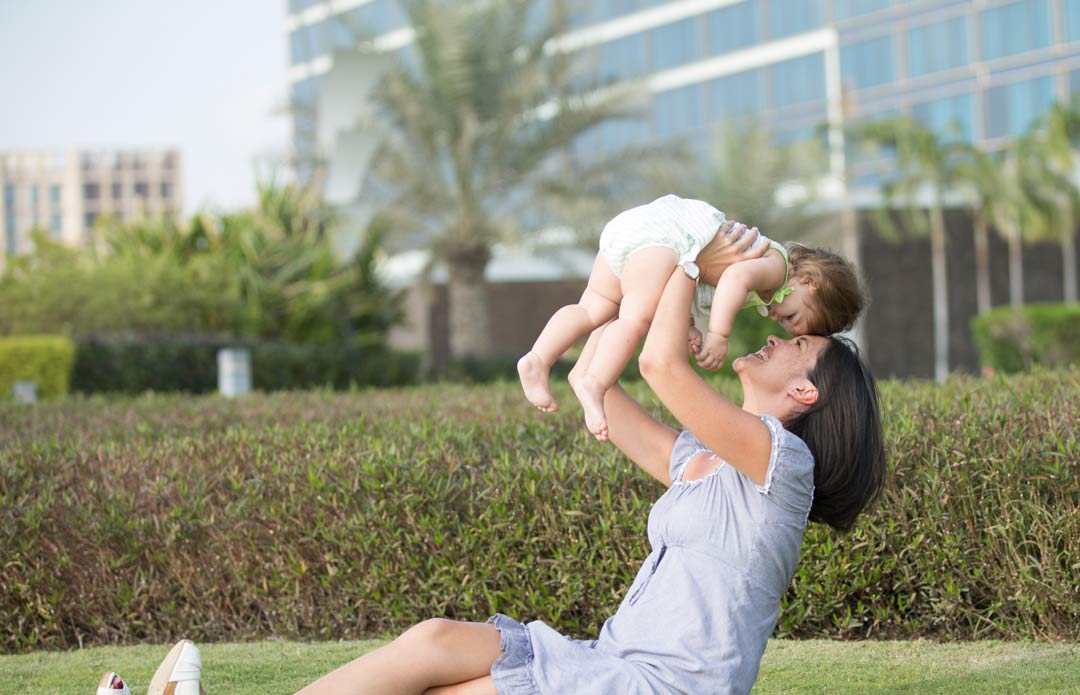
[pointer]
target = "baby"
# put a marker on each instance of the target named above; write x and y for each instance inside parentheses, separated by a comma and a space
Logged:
(805, 290)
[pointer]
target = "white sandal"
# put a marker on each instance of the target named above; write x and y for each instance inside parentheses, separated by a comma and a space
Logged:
(179, 673)
(112, 684)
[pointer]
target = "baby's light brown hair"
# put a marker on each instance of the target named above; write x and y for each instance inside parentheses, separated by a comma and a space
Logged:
(838, 296)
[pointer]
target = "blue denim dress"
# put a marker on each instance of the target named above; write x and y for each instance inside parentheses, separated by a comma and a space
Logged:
(699, 614)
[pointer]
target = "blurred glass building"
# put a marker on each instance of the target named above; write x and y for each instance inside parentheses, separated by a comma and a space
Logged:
(975, 70)
(65, 192)
(980, 70)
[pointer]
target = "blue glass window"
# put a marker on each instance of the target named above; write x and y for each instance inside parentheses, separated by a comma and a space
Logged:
(54, 225)
(846, 9)
(9, 195)
(9, 233)
(622, 59)
(678, 111)
(676, 44)
(603, 10)
(937, 47)
(300, 5)
(371, 19)
(1015, 28)
(618, 133)
(54, 195)
(300, 48)
(1011, 108)
(951, 118)
(797, 81)
(89, 219)
(733, 27)
(1072, 20)
(91, 191)
(868, 63)
(1074, 82)
(736, 95)
(787, 17)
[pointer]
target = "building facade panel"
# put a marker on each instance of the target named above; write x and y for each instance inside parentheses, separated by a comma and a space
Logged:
(65, 193)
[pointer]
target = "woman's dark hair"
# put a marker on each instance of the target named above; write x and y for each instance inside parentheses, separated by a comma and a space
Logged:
(843, 431)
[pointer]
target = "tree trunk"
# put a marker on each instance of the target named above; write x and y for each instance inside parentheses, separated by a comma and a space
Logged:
(1016, 267)
(941, 294)
(982, 262)
(470, 335)
(1068, 260)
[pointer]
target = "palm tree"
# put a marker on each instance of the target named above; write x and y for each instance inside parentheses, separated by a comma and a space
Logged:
(479, 131)
(1005, 198)
(923, 163)
(1015, 208)
(1054, 191)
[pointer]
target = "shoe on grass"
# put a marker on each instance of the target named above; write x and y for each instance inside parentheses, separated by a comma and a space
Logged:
(112, 684)
(179, 673)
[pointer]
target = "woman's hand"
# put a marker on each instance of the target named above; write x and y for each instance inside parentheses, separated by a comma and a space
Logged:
(733, 243)
(695, 340)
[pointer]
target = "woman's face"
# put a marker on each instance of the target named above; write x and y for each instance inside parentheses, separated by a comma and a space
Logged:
(780, 365)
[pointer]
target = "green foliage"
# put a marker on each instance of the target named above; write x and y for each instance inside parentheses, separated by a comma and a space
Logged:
(1012, 340)
(335, 516)
(44, 359)
(270, 272)
(187, 362)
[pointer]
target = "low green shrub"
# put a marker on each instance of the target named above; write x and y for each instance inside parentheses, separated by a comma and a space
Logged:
(45, 360)
(188, 363)
(1012, 340)
(342, 515)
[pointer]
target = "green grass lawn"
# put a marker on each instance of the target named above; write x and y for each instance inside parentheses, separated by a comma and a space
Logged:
(804, 667)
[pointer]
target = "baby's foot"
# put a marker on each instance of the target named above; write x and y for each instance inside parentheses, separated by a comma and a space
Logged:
(534, 381)
(591, 394)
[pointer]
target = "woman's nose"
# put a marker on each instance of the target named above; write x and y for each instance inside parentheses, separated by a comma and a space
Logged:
(772, 340)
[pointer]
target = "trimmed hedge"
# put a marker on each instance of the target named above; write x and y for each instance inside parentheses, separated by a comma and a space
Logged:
(188, 363)
(323, 515)
(44, 359)
(1013, 340)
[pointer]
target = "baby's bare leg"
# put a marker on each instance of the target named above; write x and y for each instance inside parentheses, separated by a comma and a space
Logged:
(434, 653)
(645, 275)
(581, 367)
(599, 303)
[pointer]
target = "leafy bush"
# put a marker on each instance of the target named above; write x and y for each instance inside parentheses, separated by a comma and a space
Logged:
(133, 364)
(320, 515)
(44, 359)
(1012, 340)
(268, 273)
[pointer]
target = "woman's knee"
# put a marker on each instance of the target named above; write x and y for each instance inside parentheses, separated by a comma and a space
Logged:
(428, 633)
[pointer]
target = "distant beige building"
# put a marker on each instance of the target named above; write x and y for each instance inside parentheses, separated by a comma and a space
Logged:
(64, 193)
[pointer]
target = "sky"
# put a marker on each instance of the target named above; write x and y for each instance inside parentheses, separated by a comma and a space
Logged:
(205, 76)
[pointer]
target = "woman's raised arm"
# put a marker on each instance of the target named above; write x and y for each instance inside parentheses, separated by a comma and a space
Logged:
(738, 437)
(643, 439)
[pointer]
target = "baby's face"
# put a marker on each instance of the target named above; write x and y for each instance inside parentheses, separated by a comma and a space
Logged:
(796, 312)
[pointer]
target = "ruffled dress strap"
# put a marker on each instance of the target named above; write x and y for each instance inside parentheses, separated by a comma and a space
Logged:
(753, 299)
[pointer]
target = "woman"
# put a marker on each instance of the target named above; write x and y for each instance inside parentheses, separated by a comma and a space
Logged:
(807, 443)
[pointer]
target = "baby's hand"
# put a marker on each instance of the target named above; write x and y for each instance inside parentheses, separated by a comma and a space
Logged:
(695, 340)
(713, 351)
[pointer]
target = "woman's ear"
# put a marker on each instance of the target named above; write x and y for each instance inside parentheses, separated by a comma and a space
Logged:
(804, 392)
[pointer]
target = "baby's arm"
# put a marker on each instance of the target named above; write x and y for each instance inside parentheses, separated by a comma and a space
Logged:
(761, 275)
